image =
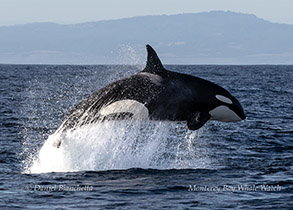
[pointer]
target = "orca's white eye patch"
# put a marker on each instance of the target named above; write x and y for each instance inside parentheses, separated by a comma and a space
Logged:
(224, 99)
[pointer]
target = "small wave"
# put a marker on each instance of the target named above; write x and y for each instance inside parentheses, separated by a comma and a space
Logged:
(115, 145)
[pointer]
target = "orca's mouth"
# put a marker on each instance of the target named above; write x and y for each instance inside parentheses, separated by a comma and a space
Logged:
(237, 108)
(242, 115)
(240, 112)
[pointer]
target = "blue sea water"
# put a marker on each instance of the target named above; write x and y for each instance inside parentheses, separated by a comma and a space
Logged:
(150, 165)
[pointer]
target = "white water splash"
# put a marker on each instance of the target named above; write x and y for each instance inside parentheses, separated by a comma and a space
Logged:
(129, 55)
(122, 145)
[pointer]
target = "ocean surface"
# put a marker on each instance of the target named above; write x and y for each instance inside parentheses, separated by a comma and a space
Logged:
(144, 165)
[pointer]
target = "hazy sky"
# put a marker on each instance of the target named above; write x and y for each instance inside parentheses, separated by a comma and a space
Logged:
(75, 11)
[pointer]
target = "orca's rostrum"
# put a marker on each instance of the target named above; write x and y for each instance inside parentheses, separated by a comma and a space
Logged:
(157, 94)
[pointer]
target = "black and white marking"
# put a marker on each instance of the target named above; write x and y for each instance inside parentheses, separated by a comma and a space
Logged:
(157, 94)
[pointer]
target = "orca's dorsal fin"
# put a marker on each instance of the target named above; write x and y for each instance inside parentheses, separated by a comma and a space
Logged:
(153, 64)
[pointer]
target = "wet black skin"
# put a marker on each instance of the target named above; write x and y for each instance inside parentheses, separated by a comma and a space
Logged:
(167, 95)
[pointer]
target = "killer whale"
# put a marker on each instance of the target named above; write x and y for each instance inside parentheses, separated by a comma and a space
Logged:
(156, 93)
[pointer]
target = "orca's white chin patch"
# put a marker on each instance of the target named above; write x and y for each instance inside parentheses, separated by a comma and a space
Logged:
(224, 114)
(137, 109)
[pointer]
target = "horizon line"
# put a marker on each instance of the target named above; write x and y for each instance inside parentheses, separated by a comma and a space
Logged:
(137, 16)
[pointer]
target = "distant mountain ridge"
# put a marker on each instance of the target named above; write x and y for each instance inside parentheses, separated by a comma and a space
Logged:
(216, 37)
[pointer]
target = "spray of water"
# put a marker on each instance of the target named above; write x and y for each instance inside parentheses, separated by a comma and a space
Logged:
(122, 145)
(105, 145)
(129, 55)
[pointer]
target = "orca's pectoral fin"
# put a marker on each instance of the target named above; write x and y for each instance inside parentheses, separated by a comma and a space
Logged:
(197, 119)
